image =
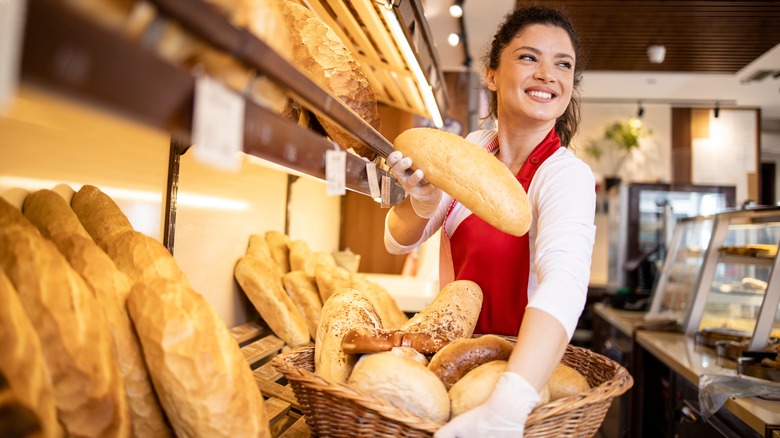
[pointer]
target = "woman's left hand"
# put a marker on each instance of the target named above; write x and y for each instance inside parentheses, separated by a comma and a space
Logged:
(502, 415)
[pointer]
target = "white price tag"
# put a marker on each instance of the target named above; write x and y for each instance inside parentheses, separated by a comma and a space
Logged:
(218, 125)
(12, 14)
(335, 172)
(373, 181)
(386, 187)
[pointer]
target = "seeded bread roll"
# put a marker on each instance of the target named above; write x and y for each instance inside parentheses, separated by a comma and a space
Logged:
(345, 310)
(55, 220)
(452, 314)
(471, 175)
(302, 289)
(202, 378)
(403, 382)
(23, 366)
(319, 52)
(73, 332)
(262, 285)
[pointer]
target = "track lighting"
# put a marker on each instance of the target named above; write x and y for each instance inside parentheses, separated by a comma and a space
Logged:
(456, 10)
(640, 111)
(453, 39)
(716, 111)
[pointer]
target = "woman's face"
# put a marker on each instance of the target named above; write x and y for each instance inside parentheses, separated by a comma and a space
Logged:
(535, 76)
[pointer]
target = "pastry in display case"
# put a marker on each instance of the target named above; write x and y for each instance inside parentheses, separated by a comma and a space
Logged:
(734, 281)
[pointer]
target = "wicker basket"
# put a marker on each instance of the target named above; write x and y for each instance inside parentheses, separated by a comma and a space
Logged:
(334, 409)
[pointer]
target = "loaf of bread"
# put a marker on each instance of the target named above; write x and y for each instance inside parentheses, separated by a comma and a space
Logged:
(302, 289)
(99, 215)
(23, 366)
(143, 258)
(566, 381)
(199, 373)
(319, 53)
(452, 314)
(302, 258)
(262, 285)
(345, 310)
(74, 335)
(461, 356)
(471, 175)
(56, 221)
(331, 279)
(404, 383)
(10, 215)
(392, 315)
(279, 245)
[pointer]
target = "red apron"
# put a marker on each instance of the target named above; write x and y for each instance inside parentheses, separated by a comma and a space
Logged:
(498, 262)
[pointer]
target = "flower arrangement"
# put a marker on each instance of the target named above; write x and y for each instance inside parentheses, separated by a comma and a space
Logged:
(619, 141)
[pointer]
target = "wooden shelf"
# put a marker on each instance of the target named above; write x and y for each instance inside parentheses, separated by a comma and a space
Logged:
(69, 53)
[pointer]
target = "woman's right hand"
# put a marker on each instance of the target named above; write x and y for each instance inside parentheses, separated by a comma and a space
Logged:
(424, 196)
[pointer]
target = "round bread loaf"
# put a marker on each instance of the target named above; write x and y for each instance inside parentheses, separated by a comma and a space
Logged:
(404, 383)
(471, 175)
(566, 381)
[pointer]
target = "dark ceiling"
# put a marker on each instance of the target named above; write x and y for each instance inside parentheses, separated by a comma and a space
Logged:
(699, 36)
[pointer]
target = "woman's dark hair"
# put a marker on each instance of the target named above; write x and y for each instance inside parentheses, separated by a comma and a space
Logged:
(516, 22)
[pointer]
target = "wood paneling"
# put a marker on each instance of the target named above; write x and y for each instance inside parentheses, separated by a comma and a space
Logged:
(700, 36)
(681, 146)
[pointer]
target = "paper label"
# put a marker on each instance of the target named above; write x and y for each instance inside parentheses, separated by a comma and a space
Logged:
(335, 172)
(218, 125)
(373, 182)
(386, 188)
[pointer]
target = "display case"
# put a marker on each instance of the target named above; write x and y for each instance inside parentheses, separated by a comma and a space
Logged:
(642, 218)
(735, 296)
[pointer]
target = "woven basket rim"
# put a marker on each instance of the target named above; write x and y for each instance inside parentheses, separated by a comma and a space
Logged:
(620, 382)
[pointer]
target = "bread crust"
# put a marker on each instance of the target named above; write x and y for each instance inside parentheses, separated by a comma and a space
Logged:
(457, 359)
(471, 175)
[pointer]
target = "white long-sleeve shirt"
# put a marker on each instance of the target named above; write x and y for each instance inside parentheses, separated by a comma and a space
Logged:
(563, 202)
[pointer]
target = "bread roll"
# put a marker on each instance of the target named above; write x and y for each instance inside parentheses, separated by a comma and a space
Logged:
(74, 335)
(302, 289)
(476, 386)
(452, 314)
(331, 279)
(201, 377)
(99, 215)
(55, 219)
(263, 287)
(461, 356)
(344, 311)
(143, 258)
(23, 364)
(565, 381)
(471, 175)
(392, 315)
(319, 52)
(279, 245)
(404, 383)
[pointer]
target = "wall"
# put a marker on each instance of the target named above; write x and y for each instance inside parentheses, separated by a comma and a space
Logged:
(47, 141)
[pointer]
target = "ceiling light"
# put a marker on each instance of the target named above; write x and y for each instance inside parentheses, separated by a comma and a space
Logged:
(656, 54)
(456, 10)
(640, 111)
(717, 110)
(453, 39)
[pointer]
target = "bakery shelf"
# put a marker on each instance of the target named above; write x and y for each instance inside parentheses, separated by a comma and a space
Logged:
(67, 52)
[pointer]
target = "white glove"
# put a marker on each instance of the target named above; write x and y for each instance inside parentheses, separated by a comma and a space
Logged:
(425, 196)
(502, 415)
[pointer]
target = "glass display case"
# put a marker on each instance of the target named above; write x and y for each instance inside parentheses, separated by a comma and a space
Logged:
(735, 297)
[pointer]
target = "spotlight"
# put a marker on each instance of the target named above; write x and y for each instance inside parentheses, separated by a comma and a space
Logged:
(656, 54)
(641, 111)
(717, 110)
(456, 10)
(453, 39)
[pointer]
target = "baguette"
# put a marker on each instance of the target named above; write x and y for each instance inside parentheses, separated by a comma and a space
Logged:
(55, 219)
(143, 258)
(88, 386)
(392, 315)
(23, 364)
(452, 314)
(201, 377)
(302, 258)
(302, 289)
(10, 215)
(263, 287)
(331, 279)
(471, 175)
(279, 245)
(345, 310)
(99, 215)
(319, 52)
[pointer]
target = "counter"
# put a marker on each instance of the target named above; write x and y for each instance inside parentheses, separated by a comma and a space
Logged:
(687, 359)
